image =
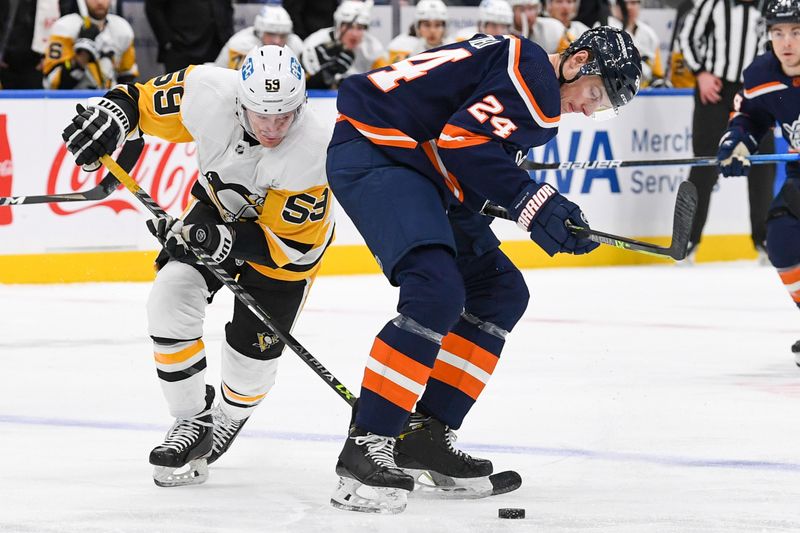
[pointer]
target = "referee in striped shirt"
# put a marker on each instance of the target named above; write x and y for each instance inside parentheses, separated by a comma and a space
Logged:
(719, 39)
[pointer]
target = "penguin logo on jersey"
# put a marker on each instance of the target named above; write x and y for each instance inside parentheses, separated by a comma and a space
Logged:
(266, 341)
(793, 131)
(234, 202)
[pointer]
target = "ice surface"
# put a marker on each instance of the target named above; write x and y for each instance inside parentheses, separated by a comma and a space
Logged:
(630, 399)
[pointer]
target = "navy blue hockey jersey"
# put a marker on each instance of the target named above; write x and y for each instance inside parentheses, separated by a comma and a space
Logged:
(460, 114)
(769, 96)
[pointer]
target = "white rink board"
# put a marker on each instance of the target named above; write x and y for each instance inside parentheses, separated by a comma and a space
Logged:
(624, 201)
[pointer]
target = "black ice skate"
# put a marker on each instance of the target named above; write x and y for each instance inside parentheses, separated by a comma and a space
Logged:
(796, 352)
(369, 480)
(426, 451)
(225, 430)
(188, 442)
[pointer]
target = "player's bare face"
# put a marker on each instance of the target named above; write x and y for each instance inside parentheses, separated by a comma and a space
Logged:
(278, 39)
(587, 95)
(98, 9)
(786, 44)
(432, 31)
(352, 35)
(270, 129)
(529, 11)
(493, 28)
(563, 10)
(633, 7)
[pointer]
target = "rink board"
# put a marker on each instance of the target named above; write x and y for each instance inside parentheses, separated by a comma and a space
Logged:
(108, 241)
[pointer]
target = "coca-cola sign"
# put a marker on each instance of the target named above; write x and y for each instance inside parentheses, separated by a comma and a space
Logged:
(165, 170)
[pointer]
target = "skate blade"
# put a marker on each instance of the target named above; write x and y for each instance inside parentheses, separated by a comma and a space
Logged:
(352, 495)
(429, 484)
(193, 473)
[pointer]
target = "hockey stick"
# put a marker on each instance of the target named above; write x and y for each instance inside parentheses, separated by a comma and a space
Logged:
(685, 207)
(127, 159)
(758, 159)
(239, 292)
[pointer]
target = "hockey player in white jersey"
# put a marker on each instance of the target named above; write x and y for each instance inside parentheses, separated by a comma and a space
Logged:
(272, 25)
(331, 54)
(644, 37)
(428, 31)
(260, 208)
(564, 11)
(90, 53)
(544, 31)
(495, 17)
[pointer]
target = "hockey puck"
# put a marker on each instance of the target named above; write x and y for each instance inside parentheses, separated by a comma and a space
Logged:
(511, 512)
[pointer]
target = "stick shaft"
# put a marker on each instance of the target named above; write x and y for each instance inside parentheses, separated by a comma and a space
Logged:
(758, 159)
(239, 292)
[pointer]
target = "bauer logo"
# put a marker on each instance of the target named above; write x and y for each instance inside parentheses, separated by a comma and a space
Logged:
(6, 170)
(248, 68)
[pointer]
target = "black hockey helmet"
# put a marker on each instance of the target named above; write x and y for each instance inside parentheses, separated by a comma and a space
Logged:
(781, 11)
(613, 57)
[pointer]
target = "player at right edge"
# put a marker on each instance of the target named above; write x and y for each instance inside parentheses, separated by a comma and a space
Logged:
(771, 94)
(418, 148)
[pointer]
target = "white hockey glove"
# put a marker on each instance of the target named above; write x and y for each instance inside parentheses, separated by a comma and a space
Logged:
(177, 237)
(95, 131)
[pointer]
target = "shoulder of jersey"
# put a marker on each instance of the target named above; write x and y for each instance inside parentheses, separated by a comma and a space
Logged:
(209, 91)
(763, 76)
(403, 42)
(244, 40)
(318, 37)
(68, 25)
(315, 134)
(371, 46)
(533, 56)
(120, 25)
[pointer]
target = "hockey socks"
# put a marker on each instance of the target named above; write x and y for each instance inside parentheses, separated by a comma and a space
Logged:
(398, 368)
(464, 365)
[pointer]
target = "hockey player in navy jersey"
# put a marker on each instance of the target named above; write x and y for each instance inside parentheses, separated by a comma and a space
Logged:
(418, 148)
(771, 94)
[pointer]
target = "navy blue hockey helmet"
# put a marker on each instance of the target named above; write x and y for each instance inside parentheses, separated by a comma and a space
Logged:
(782, 11)
(613, 57)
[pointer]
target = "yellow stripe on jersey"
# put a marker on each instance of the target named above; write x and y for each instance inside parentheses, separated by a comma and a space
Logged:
(128, 61)
(160, 106)
(296, 225)
(59, 50)
(235, 59)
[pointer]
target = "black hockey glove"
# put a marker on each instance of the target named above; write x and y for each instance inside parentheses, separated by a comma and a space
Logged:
(216, 240)
(334, 58)
(542, 211)
(95, 131)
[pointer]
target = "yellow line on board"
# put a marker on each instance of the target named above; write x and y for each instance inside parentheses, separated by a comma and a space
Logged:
(339, 260)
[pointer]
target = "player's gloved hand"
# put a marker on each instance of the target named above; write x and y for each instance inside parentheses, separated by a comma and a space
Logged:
(88, 46)
(735, 147)
(177, 237)
(542, 211)
(334, 58)
(95, 131)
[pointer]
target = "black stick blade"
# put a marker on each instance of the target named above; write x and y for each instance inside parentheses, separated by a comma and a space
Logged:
(685, 209)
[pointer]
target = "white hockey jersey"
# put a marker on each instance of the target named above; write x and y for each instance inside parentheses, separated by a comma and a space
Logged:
(406, 45)
(369, 55)
(284, 188)
(237, 47)
(114, 43)
(547, 33)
